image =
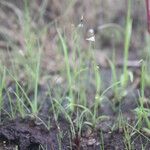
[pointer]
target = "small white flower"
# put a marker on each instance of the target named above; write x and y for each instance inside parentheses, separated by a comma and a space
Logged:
(91, 35)
(92, 38)
(91, 31)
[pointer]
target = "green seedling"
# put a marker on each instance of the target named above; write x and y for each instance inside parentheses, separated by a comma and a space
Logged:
(125, 77)
(142, 113)
(98, 88)
(135, 130)
(146, 56)
(68, 69)
(101, 141)
(2, 86)
(32, 103)
(67, 116)
(127, 138)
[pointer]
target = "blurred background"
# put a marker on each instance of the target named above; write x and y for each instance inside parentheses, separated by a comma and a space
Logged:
(23, 22)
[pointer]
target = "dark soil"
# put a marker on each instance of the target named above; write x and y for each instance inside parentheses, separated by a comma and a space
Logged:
(26, 135)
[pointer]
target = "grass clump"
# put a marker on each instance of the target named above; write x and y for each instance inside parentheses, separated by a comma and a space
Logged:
(83, 77)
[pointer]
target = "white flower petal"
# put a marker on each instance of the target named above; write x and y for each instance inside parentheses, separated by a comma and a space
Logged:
(92, 39)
